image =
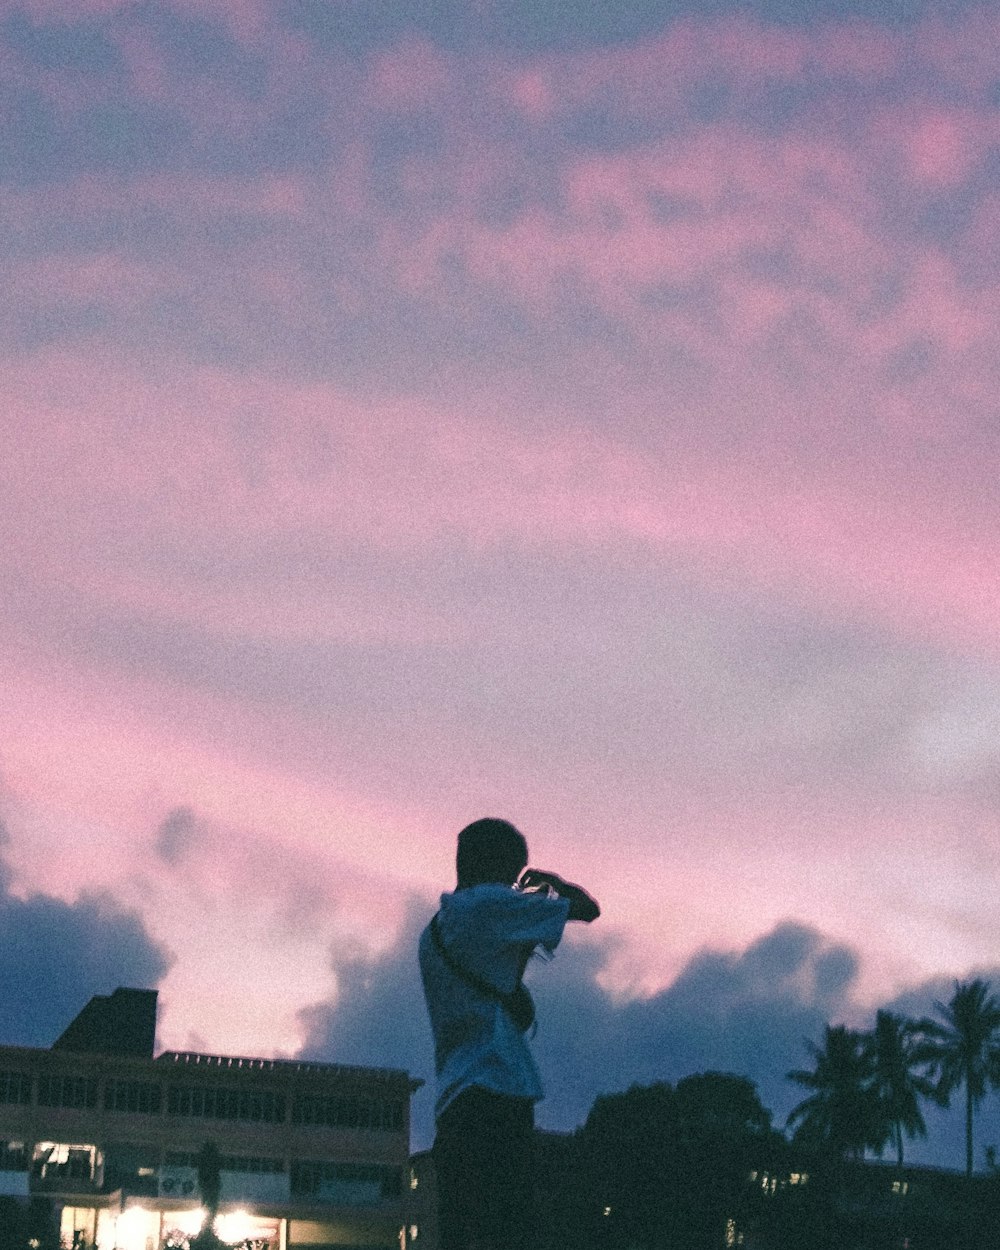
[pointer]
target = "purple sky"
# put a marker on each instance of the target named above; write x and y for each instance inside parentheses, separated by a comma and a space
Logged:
(416, 412)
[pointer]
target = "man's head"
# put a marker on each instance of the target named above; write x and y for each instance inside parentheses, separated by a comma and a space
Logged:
(490, 850)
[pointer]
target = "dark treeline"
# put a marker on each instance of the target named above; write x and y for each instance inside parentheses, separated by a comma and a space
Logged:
(700, 1165)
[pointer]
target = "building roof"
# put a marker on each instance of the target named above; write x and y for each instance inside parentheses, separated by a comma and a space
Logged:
(195, 1059)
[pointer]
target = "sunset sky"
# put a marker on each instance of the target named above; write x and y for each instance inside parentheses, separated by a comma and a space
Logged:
(419, 411)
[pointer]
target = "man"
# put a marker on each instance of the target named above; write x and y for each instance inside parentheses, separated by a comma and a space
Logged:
(472, 958)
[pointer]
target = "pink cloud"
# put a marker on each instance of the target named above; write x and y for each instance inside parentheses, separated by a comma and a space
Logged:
(410, 77)
(404, 474)
(531, 94)
(945, 148)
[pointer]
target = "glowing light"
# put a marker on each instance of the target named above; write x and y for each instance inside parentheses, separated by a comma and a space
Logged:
(188, 1223)
(235, 1226)
(133, 1227)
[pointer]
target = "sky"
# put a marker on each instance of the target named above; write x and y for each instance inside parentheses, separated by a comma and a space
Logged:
(418, 412)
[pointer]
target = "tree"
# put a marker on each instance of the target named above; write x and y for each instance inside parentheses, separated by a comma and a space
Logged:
(628, 1152)
(896, 1052)
(209, 1165)
(724, 1134)
(838, 1120)
(669, 1167)
(835, 1123)
(963, 1049)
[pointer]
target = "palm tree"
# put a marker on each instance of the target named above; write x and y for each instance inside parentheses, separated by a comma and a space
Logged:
(965, 1048)
(839, 1116)
(896, 1048)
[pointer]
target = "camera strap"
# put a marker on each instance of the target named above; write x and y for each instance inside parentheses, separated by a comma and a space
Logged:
(518, 1004)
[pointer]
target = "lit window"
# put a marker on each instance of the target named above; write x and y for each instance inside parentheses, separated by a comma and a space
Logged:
(414, 1179)
(607, 1210)
(77, 1224)
(53, 1160)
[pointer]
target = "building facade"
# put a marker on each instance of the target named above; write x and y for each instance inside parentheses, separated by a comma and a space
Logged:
(108, 1136)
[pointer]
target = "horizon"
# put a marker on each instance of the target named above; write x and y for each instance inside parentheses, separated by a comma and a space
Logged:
(419, 1123)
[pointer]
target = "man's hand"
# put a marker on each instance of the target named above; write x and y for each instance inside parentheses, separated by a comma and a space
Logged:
(582, 906)
(532, 878)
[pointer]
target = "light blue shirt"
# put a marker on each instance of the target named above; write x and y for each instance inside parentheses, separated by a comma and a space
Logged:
(489, 930)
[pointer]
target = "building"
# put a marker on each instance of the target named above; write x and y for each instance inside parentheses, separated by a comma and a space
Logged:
(106, 1136)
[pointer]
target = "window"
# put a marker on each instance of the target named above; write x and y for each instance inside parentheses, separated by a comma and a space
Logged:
(63, 1161)
(144, 1097)
(215, 1102)
(253, 1164)
(345, 1111)
(352, 1184)
(132, 1165)
(67, 1091)
(15, 1087)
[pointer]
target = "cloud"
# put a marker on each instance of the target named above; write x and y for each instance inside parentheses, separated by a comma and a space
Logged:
(57, 955)
(694, 223)
(747, 1011)
(378, 1015)
(175, 835)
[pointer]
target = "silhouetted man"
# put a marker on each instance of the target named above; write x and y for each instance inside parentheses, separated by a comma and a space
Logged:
(472, 957)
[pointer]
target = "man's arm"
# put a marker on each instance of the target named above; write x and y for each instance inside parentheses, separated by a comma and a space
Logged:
(582, 906)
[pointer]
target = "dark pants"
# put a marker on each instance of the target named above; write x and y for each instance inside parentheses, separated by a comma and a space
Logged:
(484, 1163)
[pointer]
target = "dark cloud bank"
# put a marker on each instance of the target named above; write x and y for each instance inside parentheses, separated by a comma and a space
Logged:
(57, 955)
(746, 1012)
